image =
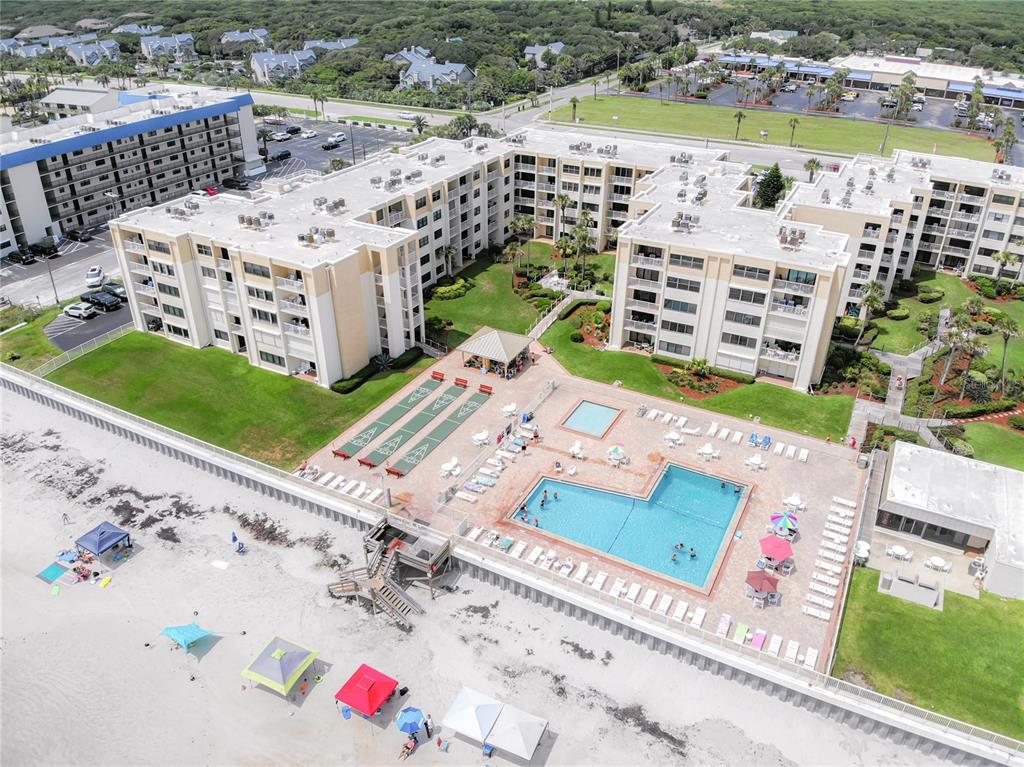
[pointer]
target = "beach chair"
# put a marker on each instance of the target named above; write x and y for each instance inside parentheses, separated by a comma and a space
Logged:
(337, 482)
(474, 533)
(804, 453)
(831, 556)
(466, 496)
(599, 580)
(326, 477)
(758, 641)
(505, 544)
(581, 573)
(549, 560)
(826, 579)
(826, 590)
(843, 502)
(374, 494)
(692, 431)
(667, 418)
(663, 603)
(652, 414)
(358, 490)
(791, 452)
(492, 538)
(679, 614)
(348, 488)
(566, 568)
(617, 587)
(488, 472)
(482, 480)
(779, 447)
(681, 421)
(723, 435)
(505, 455)
(828, 567)
(766, 442)
(534, 555)
(834, 547)
(792, 649)
(774, 645)
(498, 464)
(576, 451)
(633, 593)
(698, 617)
(648, 601)
(473, 487)
(724, 623)
(712, 429)
(752, 442)
(517, 552)
(811, 658)
(572, 471)
(814, 599)
(737, 437)
(740, 635)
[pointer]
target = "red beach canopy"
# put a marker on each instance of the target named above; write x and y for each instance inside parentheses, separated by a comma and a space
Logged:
(366, 690)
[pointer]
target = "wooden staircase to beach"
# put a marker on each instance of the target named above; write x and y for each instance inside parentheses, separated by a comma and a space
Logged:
(376, 583)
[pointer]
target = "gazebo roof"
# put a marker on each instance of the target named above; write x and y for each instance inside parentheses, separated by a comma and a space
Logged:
(497, 345)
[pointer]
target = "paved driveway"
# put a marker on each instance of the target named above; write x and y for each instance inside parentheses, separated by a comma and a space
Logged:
(68, 332)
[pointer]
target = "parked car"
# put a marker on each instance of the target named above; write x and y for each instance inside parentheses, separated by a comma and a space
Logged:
(270, 120)
(917, 107)
(45, 249)
(101, 299)
(116, 290)
(281, 154)
(848, 97)
(291, 130)
(82, 311)
(208, 192)
(410, 116)
(309, 134)
(789, 88)
(94, 277)
(235, 183)
(21, 256)
(78, 235)
(330, 144)
(280, 136)
(889, 103)
(920, 99)
(340, 137)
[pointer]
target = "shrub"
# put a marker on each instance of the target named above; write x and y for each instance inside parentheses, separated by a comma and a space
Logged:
(906, 287)
(869, 336)
(962, 447)
(576, 337)
(897, 314)
(457, 289)
(576, 321)
(881, 437)
(982, 327)
(573, 306)
(361, 376)
(1020, 292)
(1016, 422)
(733, 375)
(987, 290)
(926, 389)
(931, 297)
(543, 304)
(980, 408)
(604, 306)
(847, 328)
(977, 388)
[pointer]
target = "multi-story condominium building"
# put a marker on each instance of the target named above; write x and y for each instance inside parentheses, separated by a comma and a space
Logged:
(91, 54)
(269, 67)
(319, 274)
(331, 45)
(87, 169)
(138, 29)
(237, 39)
(181, 48)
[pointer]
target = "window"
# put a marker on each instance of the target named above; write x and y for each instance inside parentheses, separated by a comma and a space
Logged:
(569, 186)
(174, 330)
(648, 251)
(273, 359)
(422, 222)
(168, 290)
(750, 272)
(162, 268)
(263, 316)
(1002, 199)
(220, 335)
(437, 215)
(747, 296)
(424, 241)
(680, 306)
(998, 217)
(208, 272)
(435, 195)
(174, 311)
(260, 293)
(690, 262)
(255, 269)
(991, 234)
(671, 348)
(204, 250)
(795, 275)
(421, 202)
(572, 170)
(592, 172)
(738, 340)
(679, 283)
(676, 327)
(743, 319)
(591, 189)
(159, 247)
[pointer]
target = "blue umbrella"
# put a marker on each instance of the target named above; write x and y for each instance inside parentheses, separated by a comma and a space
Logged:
(410, 720)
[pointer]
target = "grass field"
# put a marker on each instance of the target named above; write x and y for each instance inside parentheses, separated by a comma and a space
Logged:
(964, 661)
(30, 342)
(377, 120)
(996, 444)
(814, 132)
(219, 397)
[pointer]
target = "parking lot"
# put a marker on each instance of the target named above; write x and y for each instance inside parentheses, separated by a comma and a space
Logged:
(307, 154)
(68, 332)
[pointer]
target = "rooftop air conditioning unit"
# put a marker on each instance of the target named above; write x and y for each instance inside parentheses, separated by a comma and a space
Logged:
(241, 219)
(376, 181)
(339, 203)
(329, 234)
(309, 239)
(396, 173)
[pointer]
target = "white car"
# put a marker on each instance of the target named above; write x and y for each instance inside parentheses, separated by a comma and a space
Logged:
(82, 311)
(410, 116)
(848, 97)
(94, 277)
(280, 136)
(789, 88)
(917, 108)
(339, 137)
(309, 134)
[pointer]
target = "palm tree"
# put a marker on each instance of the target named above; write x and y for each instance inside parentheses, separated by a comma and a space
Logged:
(564, 246)
(811, 90)
(1004, 258)
(521, 226)
(419, 122)
(957, 336)
(793, 122)
(812, 166)
(582, 239)
(574, 101)
(561, 203)
(740, 116)
(1007, 327)
(464, 125)
(872, 300)
(973, 348)
(263, 133)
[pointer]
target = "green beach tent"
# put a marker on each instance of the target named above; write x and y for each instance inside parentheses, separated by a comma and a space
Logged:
(280, 665)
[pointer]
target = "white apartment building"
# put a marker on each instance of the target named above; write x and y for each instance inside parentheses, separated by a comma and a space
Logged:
(87, 169)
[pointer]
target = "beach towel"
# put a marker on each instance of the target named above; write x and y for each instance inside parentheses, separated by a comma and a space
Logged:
(68, 556)
(219, 564)
(55, 591)
(52, 573)
(105, 582)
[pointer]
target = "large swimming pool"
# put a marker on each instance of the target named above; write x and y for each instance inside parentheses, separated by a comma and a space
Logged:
(591, 418)
(685, 507)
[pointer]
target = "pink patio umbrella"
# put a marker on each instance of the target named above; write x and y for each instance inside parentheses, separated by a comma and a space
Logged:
(761, 582)
(776, 548)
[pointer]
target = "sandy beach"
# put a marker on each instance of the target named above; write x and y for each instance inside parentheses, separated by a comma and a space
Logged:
(86, 679)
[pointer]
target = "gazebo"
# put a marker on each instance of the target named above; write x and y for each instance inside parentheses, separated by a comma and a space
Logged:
(366, 690)
(494, 724)
(102, 538)
(498, 350)
(280, 665)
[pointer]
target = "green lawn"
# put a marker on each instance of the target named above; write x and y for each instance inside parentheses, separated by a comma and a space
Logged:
(777, 406)
(996, 444)
(964, 662)
(377, 120)
(31, 342)
(814, 132)
(219, 397)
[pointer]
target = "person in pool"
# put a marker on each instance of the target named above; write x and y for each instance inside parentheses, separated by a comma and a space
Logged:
(693, 554)
(675, 557)
(680, 546)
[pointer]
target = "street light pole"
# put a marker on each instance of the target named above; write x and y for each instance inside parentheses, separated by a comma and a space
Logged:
(56, 298)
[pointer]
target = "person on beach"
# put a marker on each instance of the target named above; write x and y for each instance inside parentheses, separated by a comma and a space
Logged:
(429, 726)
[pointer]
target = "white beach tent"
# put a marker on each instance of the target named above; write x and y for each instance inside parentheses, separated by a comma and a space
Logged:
(472, 714)
(481, 718)
(517, 732)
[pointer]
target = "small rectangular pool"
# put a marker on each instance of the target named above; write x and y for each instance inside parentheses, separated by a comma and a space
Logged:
(591, 418)
(684, 507)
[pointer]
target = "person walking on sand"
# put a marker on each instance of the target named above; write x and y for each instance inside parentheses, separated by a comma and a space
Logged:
(429, 726)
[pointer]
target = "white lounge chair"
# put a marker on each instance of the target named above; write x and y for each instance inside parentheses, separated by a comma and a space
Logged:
(698, 617)
(488, 472)
(834, 547)
(667, 418)
(348, 488)
(549, 560)
(843, 502)
(814, 599)
(337, 482)
(792, 650)
(358, 490)
(737, 437)
(774, 645)
(828, 567)
(651, 415)
(375, 494)
(535, 555)
(505, 455)
(779, 447)
(576, 451)
(693, 431)
(724, 624)
(617, 587)
(581, 573)
(517, 552)
(663, 603)
(326, 477)
(679, 614)
(498, 464)
(648, 600)
(723, 435)
(466, 496)
(804, 453)
(681, 421)
(814, 612)
(827, 579)
(811, 658)
(599, 580)
(712, 430)
(572, 471)
(831, 556)
(566, 568)
(473, 534)
(633, 593)
(826, 590)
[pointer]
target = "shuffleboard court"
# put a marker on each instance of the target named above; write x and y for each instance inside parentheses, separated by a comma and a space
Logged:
(389, 446)
(439, 434)
(386, 419)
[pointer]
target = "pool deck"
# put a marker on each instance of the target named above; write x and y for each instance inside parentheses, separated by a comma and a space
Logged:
(830, 471)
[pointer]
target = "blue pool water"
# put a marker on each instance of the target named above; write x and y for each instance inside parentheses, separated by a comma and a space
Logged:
(684, 507)
(591, 418)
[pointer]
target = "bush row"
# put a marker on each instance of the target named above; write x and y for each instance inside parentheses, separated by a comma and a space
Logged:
(361, 376)
(980, 408)
(1016, 422)
(731, 375)
(574, 305)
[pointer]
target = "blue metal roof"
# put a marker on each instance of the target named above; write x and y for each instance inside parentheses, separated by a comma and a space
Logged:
(1003, 92)
(115, 132)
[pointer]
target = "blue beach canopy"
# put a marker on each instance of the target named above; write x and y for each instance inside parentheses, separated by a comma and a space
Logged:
(410, 720)
(185, 635)
(102, 538)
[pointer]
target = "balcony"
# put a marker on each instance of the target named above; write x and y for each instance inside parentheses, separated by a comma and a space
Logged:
(493, 175)
(638, 260)
(293, 329)
(892, 238)
(856, 293)
(953, 251)
(522, 166)
(974, 199)
(644, 327)
(885, 259)
(896, 220)
(147, 290)
(778, 354)
(545, 187)
(133, 246)
(619, 197)
(638, 282)
(642, 306)
(294, 307)
(860, 274)
(543, 219)
(139, 268)
(622, 179)
(394, 219)
(918, 205)
(796, 287)
(777, 307)
(961, 215)
(223, 263)
(938, 194)
(933, 229)
(871, 234)
(289, 284)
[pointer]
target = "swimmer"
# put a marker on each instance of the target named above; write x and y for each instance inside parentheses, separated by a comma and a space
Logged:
(675, 558)
(680, 546)
(723, 484)
(536, 522)
(736, 489)
(693, 553)
(556, 495)
(542, 502)
(544, 495)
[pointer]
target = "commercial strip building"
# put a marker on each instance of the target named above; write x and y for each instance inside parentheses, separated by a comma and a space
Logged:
(157, 145)
(957, 502)
(323, 273)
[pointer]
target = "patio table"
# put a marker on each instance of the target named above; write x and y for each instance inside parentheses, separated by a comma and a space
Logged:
(937, 563)
(899, 551)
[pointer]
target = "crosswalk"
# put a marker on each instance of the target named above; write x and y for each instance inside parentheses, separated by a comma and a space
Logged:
(62, 324)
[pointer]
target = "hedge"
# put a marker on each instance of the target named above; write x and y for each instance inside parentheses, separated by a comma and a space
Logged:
(361, 376)
(604, 306)
(931, 297)
(897, 314)
(980, 408)
(1016, 422)
(962, 447)
(879, 434)
(576, 337)
(574, 305)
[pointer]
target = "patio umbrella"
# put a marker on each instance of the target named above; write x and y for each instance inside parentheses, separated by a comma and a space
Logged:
(795, 501)
(761, 582)
(785, 519)
(776, 548)
(410, 720)
(617, 452)
(186, 635)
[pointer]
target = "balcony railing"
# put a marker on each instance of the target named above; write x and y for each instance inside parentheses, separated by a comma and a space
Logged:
(148, 290)
(871, 234)
(296, 330)
(522, 166)
(396, 218)
(294, 307)
(942, 195)
(139, 268)
(794, 311)
(778, 354)
(933, 229)
(545, 187)
(856, 293)
(953, 251)
(619, 197)
(860, 274)
(642, 306)
(638, 260)
(918, 205)
(891, 238)
(972, 198)
(639, 282)
(645, 327)
(896, 220)
(793, 287)
(133, 246)
(289, 284)
(622, 179)
(961, 215)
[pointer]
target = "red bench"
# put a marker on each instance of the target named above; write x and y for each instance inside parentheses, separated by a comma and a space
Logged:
(485, 389)
(341, 454)
(461, 382)
(370, 464)
(437, 375)
(394, 472)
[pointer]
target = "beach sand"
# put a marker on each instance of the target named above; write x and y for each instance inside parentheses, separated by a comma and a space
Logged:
(81, 686)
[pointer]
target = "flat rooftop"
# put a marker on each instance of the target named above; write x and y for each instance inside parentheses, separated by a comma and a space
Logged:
(75, 96)
(865, 184)
(901, 65)
(922, 482)
(724, 224)
(961, 169)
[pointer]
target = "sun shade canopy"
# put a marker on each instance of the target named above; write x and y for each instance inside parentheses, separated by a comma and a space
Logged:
(102, 538)
(495, 345)
(776, 548)
(484, 719)
(473, 714)
(366, 690)
(185, 635)
(761, 582)
(279, 665)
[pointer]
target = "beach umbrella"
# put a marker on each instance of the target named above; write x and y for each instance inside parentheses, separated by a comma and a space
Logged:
(776, 548)
(785, 519)
(410, 720)
(761, 582)
(617, 452)
(186, 635)
(795, 501)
